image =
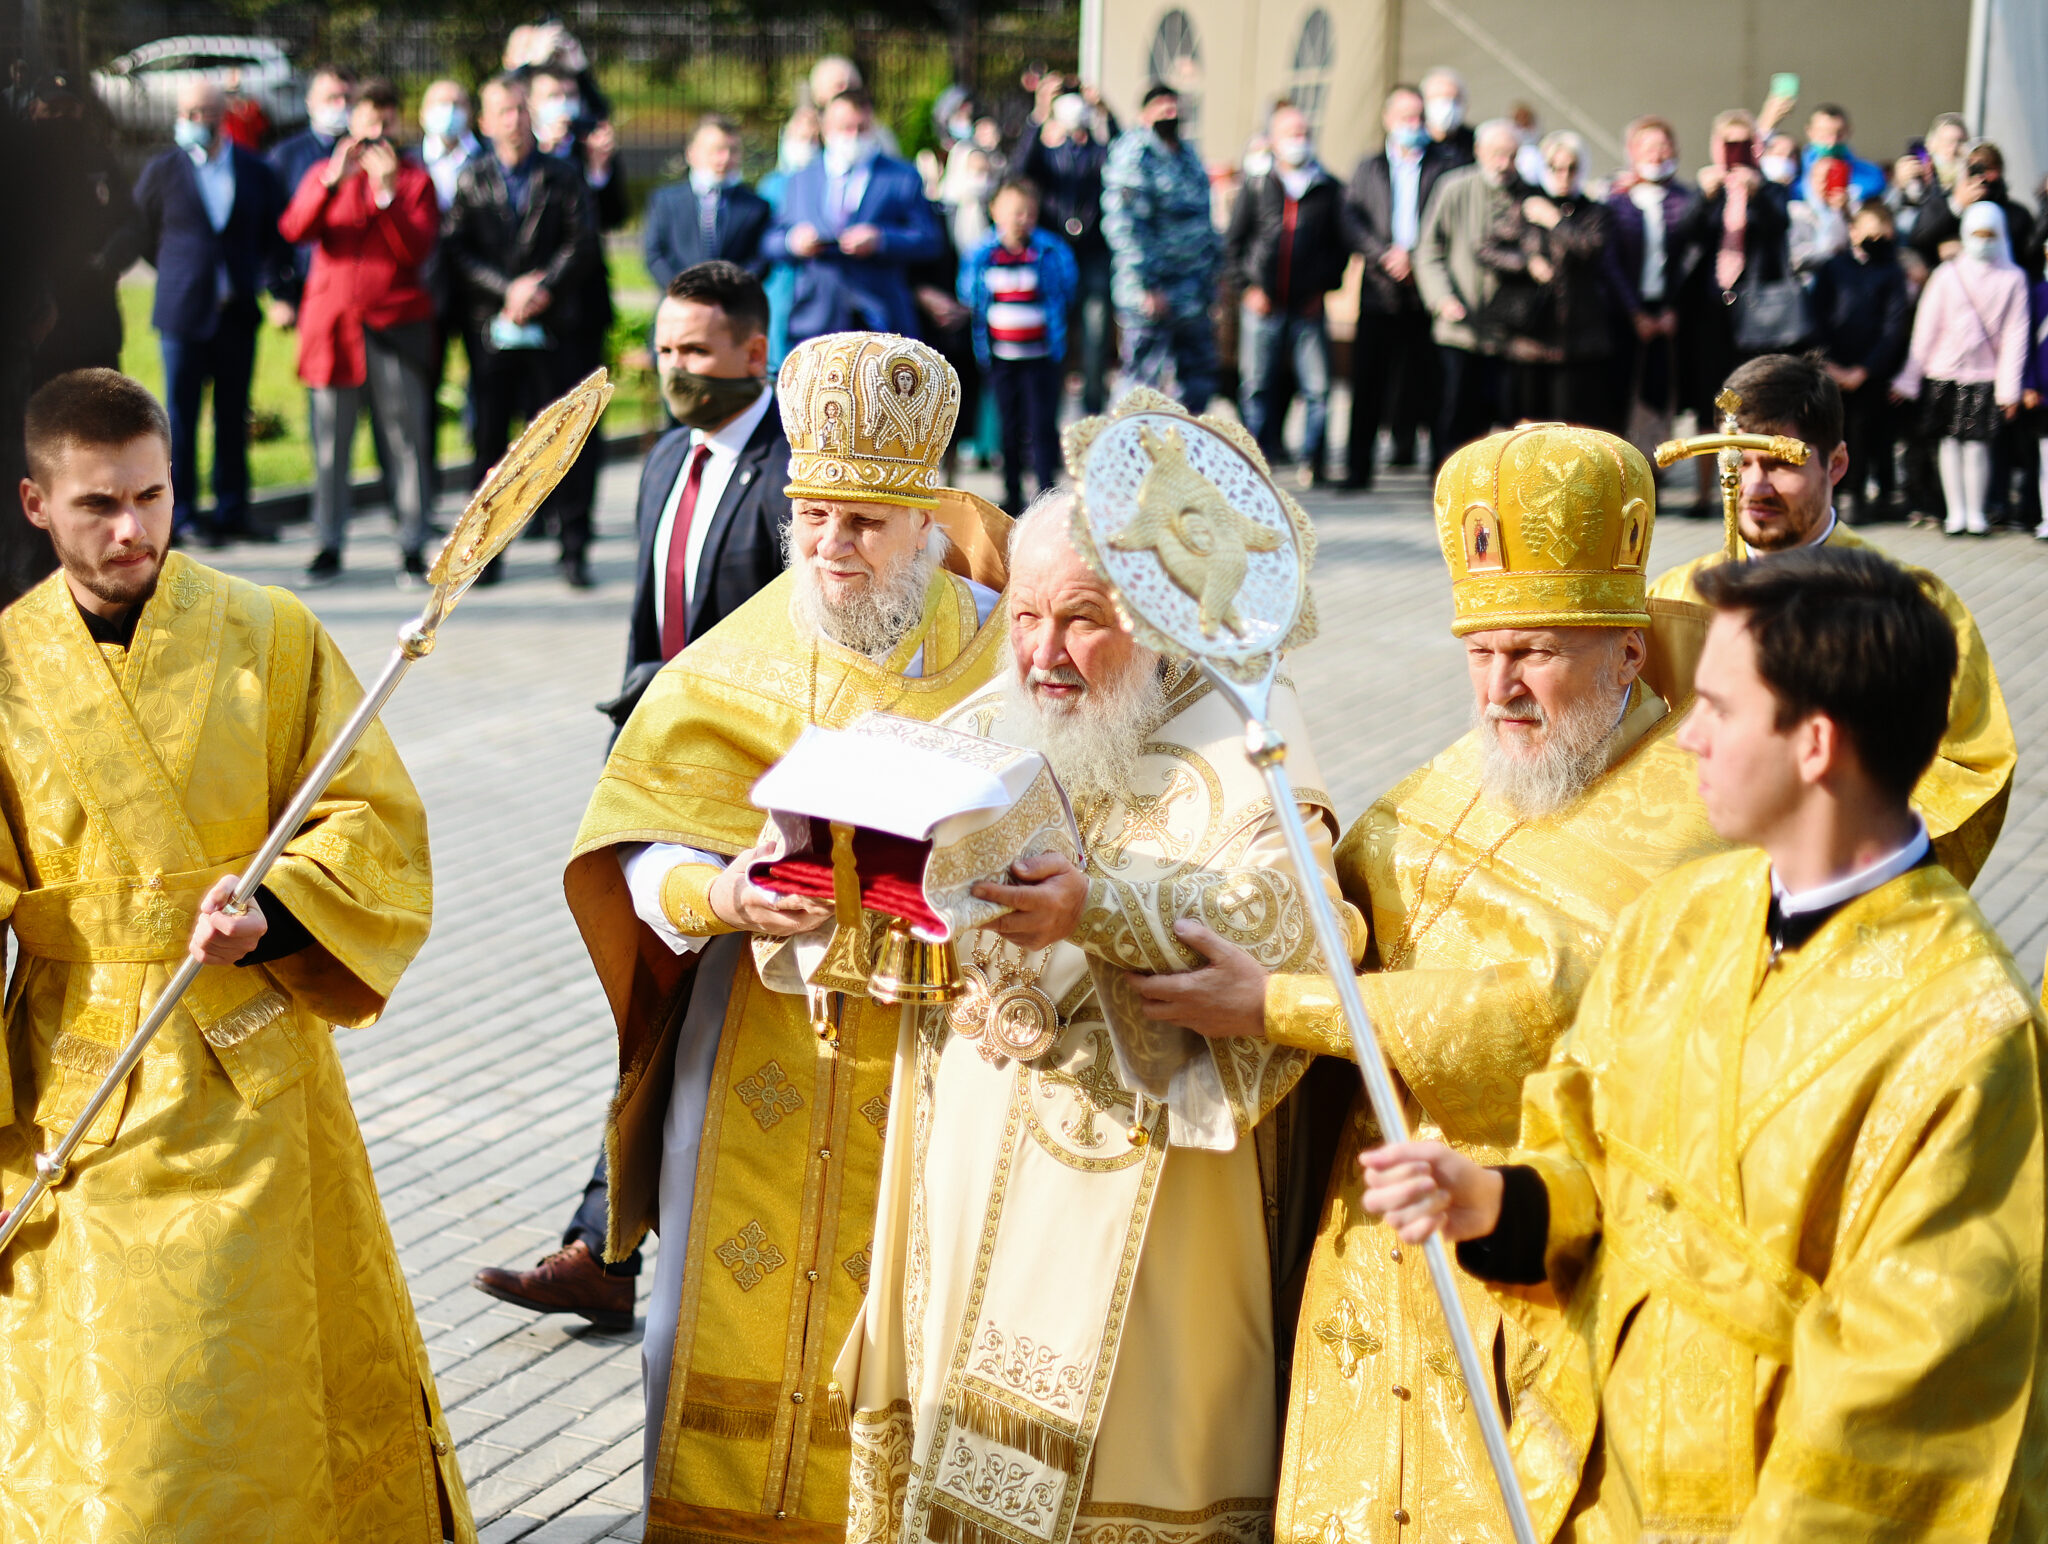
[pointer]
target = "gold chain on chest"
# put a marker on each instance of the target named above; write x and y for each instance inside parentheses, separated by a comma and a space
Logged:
(1414, 932)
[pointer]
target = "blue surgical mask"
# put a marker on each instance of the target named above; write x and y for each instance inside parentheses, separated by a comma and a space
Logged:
(556, 112)
(332, 121)
(444, 120)
(1411, 136)
(192, 136)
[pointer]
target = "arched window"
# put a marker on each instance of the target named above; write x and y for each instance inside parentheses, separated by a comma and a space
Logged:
(1176, 60)
(1315, 56)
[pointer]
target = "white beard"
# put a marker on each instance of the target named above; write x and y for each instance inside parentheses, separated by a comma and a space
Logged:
(877, 619)
(1575, 751)
(1093, 743)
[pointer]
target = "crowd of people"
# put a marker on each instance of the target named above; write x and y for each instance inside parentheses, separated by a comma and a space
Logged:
(1728, 1094)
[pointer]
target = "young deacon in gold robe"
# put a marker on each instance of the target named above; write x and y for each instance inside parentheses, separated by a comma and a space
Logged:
(748, 1125)
(1784, 1176)
(1493, 877)
(1785, 508)
(1073, 1288)
(206, 1334)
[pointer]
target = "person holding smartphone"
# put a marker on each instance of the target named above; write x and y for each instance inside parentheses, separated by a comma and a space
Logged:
(366, 320)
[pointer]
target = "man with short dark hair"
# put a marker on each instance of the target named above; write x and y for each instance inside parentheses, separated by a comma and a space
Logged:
(219, 1244)
(1827, 135)
(209, 212)
(1286, 247)
(1783, 1181)
(517, 241)
(1393, 360)
(709, 215)
(1786, 507)
(853, 221)
(1165, 252)
(328, 93)
(712, 518)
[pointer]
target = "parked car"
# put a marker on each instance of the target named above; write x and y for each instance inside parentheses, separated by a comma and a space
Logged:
(140, 89)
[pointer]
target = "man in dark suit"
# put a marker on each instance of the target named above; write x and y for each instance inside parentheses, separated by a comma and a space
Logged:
(327, 98)
(566, 128)
(709, 215)
(712, 516)
(209, 212)
(1393, 361)
(518, 239)
(853, 221)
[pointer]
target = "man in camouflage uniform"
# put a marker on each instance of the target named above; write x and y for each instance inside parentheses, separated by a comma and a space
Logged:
(1155, 214)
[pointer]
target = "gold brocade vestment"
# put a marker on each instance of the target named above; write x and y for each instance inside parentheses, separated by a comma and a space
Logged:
(1963, 795)
(1796, 1226)
(752, 1444)
(1069, 1334)
(207, 1336)
(1502, 924)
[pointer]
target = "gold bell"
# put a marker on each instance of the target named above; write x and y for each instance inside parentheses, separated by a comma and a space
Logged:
(915, 970)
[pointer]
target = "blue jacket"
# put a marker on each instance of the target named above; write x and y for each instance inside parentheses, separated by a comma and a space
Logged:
(2034, 375)
(1866, 178)
(835, 293)
(674, 235)
(1058, 278)
(179, 241)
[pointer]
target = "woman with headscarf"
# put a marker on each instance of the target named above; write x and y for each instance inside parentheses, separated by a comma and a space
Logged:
(1965, 363)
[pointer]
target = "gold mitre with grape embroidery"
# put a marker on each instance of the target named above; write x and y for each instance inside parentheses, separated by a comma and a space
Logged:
(1547, 525)
(868, 416)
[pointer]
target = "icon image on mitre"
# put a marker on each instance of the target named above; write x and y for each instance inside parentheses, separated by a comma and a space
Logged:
(897, 820)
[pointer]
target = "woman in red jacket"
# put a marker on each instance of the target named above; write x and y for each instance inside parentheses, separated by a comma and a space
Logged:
(367, 319)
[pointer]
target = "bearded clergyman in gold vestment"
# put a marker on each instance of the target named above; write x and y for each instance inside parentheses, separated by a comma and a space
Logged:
(1070, 1334)
(748, 1125)
(1777, 1211)
(1784, 508)
(206, 1334)
(1492, 878)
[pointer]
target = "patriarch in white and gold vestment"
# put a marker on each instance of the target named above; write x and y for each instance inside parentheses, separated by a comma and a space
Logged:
(749, 1120)
(1069, 1335)
(206, 1332)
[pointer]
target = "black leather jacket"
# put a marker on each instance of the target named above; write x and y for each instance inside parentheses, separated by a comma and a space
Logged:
(487, 243)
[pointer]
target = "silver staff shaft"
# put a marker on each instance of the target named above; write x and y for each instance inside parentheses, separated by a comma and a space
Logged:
(1268, 752)
(52, 1166)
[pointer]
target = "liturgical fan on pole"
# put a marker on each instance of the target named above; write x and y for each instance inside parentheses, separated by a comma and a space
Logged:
(1210, 560)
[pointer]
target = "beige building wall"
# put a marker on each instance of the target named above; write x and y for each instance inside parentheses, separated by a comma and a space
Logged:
(1589, 65)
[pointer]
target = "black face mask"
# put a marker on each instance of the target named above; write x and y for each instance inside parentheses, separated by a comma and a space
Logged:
(1168, 129)
(1876, 248)
(706, 401)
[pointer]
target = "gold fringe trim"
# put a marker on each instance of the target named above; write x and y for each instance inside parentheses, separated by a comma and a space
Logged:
(1048, 1444)
(724, 1421)
(830, 1432)
(946, 1526)
(265, 1008)
(78, 1054)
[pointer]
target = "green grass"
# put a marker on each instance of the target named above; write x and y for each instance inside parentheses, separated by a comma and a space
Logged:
(280, 452)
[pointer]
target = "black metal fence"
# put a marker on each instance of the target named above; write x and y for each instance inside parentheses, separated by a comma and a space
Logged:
(662, 65)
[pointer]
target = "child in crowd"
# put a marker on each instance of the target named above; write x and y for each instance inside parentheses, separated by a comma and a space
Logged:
(1018, 283)
(1965, 362)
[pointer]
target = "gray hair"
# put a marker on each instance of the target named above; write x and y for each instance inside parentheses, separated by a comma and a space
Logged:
(1566, 139)
(1043, 515)
(1497, 128)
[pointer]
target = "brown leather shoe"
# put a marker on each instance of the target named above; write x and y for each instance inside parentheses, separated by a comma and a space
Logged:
(571, 1280)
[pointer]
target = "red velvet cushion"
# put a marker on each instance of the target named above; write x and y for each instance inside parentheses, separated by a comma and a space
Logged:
(891, 874)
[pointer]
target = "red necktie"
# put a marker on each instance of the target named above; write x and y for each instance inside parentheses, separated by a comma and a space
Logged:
(675, 579)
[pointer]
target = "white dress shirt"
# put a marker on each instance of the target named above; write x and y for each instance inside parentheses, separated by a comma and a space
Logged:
(216, 174)
(1649, 198)
(725, 445)
(444, 160)
(1404, 171)
(1837, 892)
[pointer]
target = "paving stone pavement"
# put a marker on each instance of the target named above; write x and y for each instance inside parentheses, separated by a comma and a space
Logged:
(482, 1091)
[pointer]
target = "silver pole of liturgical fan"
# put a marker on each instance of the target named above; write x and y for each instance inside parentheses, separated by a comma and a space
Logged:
(1209, 559)
(501, 505)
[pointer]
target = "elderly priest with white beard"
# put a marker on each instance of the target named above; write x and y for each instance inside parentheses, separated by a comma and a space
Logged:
(1493, 876)
(748, 1125)
(1069, 1331)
